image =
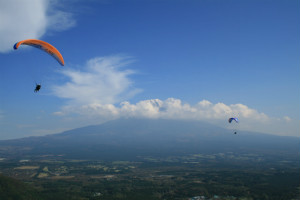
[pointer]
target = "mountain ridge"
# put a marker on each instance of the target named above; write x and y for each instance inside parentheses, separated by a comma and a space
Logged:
(136, 137)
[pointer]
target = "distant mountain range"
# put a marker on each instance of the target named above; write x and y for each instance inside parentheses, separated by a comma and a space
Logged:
(131, 138)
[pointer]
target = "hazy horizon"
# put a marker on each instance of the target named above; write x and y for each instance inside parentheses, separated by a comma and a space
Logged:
(227, 128)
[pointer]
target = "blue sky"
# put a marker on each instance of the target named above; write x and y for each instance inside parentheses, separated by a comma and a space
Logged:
(201, 60)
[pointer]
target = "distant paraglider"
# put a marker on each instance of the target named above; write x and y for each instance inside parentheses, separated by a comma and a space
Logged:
(44, 46)
(233, 119)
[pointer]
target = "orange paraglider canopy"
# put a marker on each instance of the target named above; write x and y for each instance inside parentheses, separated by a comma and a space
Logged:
(48, 48)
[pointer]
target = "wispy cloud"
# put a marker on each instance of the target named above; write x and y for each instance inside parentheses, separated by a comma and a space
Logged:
(60, 20)
(102, 80)
(21, 20)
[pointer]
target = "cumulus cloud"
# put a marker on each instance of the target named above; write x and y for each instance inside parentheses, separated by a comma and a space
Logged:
(171, 108)
(102, 81)
(21, 20)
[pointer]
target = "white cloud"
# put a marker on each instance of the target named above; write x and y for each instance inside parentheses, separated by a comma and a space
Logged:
(21, 20)
(103, 81)
(99, 93)
(250, 119)
(174, 109)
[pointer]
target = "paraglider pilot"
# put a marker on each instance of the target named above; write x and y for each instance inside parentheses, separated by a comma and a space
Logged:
(37, 87)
